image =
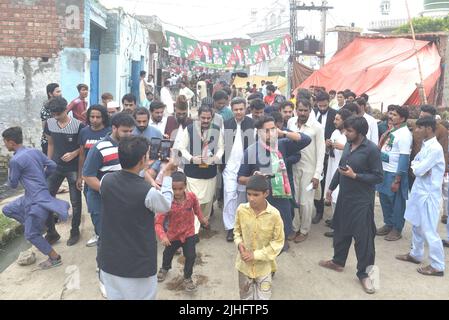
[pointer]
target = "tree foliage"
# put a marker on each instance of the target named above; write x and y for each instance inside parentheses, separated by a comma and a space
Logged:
(425, 24)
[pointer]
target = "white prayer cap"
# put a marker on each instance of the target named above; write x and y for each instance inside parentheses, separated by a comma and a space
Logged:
(113, 105)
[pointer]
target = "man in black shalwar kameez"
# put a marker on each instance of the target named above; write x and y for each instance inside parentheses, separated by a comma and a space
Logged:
(359, 171)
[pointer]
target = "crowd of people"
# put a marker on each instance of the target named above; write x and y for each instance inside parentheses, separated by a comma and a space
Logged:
(273, 164)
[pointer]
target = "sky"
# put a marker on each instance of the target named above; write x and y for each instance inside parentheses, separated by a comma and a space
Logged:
(212, 19)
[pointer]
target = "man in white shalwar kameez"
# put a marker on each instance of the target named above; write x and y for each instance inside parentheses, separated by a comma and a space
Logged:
(238, 135)
(423, 207)
(167, 99)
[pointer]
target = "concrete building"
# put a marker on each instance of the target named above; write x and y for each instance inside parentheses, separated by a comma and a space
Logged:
(436, 8)
(67, 42)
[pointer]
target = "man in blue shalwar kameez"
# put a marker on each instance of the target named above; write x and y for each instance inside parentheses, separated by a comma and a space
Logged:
(31, 167)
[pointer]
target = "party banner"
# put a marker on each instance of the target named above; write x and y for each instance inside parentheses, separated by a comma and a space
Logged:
(203, 54)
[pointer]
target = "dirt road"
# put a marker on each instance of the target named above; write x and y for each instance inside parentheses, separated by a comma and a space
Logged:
(298, 277)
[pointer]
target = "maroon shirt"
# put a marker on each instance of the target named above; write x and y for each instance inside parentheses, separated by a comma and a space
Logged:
(78, 107)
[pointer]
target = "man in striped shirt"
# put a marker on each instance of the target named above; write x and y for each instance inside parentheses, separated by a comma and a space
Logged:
(103, 159)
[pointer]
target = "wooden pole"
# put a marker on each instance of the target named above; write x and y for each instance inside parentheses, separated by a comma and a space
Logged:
(422, 90)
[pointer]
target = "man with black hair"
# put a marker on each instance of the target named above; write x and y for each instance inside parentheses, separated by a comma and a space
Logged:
(217, 119)
(202, 149)
(385, 125)
(79, 105)
(308, 171)
(31, 167)
(221, 101)
(166, 98)
(62, 133)
(102, 159)
(373, 131)
(53, 90)
(238, 135)
(259, 237)
(287, 110)
(268, 157)
(425, 198)
(360, 170)
(177, 123)
(127, 254)
(336, 145)
(393, 192)
(350, 96)
(143, 128)
(97, 129)
(339, 101)
(129, 103)
(257, 107)
(441, 134)
(326, 117)
(158, 119)
(352, 107)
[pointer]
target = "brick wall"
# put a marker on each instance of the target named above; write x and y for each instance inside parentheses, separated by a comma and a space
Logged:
(40, 28)
(345, 38)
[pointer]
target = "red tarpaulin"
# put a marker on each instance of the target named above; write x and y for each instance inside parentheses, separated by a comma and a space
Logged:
(385, 69)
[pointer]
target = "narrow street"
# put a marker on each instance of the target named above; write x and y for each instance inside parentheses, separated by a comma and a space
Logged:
(298, 277)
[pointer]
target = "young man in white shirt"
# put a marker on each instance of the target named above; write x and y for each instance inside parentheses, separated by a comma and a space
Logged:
(423, 209)
(166, 98)
(393, 192)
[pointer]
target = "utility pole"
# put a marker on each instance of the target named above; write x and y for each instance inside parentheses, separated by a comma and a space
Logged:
(323, 37)
(323, 8)
(294, 37)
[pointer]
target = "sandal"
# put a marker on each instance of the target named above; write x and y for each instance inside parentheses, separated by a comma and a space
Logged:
(50, 263)
(407, 258)
(430, 271)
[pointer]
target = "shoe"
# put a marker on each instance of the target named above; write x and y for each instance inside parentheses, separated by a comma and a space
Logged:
(384, 230)
(74, 238)
(430, 271)
(300, 238)
(367, 285)
(50, 263)
(329, 234)
(230, 236)
(189, 285)
(292, 236)
(394, 235)
(52, 238)
(445, 243)
(161, 275)
(329, 264)
(328, 223)
(407, 258)
(444, 219)
(317, 218)
(92, 242)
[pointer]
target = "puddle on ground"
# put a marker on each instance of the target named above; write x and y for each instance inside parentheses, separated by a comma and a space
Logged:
(177, 283)
(198, 261)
